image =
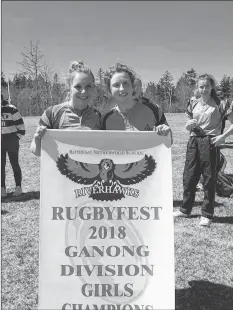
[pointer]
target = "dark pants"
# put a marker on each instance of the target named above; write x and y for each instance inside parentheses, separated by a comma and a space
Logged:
(10, 145)
(201, 158)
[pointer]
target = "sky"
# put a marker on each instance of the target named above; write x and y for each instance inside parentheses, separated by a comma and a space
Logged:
(149, 36)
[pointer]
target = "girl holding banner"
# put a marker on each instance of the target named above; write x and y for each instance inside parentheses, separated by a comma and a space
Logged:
(132, 111)
(204, 124)
(75, 113)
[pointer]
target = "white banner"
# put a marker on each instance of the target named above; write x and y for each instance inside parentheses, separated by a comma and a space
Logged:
(106, 224)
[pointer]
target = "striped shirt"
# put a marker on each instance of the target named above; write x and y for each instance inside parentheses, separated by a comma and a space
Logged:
(62, 116)
(11, 121)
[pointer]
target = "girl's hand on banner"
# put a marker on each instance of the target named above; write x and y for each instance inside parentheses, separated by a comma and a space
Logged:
(162, 130)
(40, 132)
(191, 124)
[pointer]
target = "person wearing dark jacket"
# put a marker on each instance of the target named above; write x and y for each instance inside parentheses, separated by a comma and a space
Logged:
(132, 111)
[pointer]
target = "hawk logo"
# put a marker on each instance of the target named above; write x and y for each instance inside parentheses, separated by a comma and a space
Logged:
(106, 178)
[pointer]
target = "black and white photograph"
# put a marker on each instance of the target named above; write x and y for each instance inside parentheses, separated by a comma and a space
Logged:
(116, 155)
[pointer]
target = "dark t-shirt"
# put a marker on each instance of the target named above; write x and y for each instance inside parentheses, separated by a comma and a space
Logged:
(144, 116)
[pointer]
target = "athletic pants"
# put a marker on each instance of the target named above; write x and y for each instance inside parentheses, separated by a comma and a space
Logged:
(201, 158)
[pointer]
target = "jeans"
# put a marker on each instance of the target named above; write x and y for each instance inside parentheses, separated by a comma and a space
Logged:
(10, 146)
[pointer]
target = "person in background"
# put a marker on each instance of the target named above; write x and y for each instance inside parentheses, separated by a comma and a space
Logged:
(220, 159)
(204, 123)
(132, 111)
(225, 98)
(76, 112)
(137, 93)
(12, 129)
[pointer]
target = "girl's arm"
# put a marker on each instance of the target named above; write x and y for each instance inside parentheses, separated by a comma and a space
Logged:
(19, 123)
(35, 146)
(218, 140)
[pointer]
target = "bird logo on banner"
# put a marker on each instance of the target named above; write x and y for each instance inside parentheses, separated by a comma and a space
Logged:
(106, 174)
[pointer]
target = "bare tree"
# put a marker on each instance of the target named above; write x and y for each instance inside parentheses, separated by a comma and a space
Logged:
(34, 65)
(32, 62)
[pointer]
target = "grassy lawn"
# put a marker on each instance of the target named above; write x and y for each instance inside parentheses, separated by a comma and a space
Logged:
(203, 256)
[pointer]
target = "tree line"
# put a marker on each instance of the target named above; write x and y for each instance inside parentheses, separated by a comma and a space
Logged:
(37, 87)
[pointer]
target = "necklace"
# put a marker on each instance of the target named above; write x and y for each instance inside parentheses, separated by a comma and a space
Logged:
(128, 125)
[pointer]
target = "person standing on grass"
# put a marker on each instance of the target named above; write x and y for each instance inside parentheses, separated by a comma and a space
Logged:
(221, 160)
(12, 129)
(204, 124)
(73, 114)
(132, 111)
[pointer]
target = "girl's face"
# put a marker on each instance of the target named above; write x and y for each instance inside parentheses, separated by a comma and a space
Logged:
(204, 87)
(82, 89)
(121, 87)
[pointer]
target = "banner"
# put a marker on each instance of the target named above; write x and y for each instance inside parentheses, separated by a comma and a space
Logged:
(106, 223)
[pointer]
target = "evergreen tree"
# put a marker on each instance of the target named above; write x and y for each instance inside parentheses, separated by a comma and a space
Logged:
(225, 86)
(231, 84)
(19, 81)
(3, 80)
(100, 98)
(57, 93)
(166, 90)
(29, 82)
(190, 77)
(185, 87)
(99, 76)
(151, 92)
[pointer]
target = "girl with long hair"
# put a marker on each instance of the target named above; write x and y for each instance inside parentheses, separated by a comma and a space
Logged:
(205, 115)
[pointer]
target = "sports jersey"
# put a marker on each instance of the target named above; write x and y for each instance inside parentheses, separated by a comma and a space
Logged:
(209, 116)
(63, 116)
(144, 116)
(12, 124)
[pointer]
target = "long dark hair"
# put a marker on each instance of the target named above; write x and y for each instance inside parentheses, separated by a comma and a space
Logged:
(210, 78)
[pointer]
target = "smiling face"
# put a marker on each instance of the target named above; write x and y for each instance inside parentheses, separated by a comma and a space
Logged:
(82, 89)
(204, 88)
(121, 87)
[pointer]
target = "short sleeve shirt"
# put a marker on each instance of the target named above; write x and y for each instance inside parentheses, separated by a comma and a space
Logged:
(140, 118)
(69, 119)
(209, 116)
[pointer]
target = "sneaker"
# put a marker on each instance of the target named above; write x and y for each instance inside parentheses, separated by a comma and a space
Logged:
(179, 214)
(18, 191)
(3, 192)
(205, 221)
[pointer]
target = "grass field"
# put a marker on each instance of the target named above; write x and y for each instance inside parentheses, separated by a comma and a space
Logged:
(203, 256)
